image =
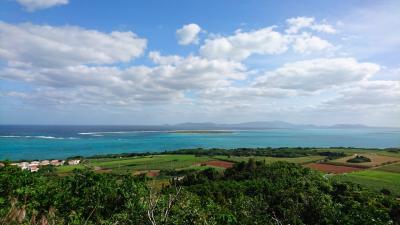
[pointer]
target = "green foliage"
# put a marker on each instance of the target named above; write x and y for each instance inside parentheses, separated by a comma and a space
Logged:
(174, 173)
(83, 196)
(250, 192)
(271, 152)
(359, 159)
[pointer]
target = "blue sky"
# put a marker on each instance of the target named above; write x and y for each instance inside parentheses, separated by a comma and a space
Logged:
(155, 62)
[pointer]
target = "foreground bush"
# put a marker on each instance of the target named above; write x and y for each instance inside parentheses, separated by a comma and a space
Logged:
(248, 193)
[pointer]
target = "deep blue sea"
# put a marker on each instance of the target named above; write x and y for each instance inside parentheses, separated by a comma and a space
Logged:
(47, 142)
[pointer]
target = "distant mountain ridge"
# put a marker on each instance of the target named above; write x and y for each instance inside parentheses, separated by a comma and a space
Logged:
(260, 125)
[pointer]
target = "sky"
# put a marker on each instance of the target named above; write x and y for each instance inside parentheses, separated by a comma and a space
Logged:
(158, 62)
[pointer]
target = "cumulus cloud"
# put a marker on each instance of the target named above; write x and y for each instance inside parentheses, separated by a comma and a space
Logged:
(157, 58)
(296, 24)
(197, 72)
(33, 5)
(50, 46)
(167, 80)
(317, 74)
(241, 45)
(268, 41)
(307, 43)
(188, 34)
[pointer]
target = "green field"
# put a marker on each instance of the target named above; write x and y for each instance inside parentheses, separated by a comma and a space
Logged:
(143, 163)
(159, 162)
(351, 151)
(300, 160)
(67, 169)
(374, 179)
(395, 168)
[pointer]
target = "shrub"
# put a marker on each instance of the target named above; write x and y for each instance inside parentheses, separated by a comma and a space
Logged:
(359, 159)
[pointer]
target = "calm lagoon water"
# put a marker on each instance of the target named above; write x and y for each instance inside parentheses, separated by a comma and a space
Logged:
(45, 142)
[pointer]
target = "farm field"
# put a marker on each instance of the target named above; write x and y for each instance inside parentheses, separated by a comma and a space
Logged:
(374, 179)
(154, 162)
(143, 163)
(300, 160)
(352, 151)
(395, 168)
(218, 163)
(376, 160)
(178, 162)
(328, 168)
(69, 168)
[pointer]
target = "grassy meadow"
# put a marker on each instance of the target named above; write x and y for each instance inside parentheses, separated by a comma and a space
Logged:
(374, 179)
(139, 163)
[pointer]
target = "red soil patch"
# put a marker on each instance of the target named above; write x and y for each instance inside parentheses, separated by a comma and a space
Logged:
(101, 170)
(153, 173)
(218, 163)
(327, 168)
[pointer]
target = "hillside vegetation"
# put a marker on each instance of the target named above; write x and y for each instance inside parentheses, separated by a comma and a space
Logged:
(248, 193)
(200, 186)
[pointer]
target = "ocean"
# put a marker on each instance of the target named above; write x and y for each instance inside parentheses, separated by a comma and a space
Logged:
(57, 142)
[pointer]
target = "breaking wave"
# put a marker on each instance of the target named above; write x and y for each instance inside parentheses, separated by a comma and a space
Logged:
(37, 137)
(100, 133)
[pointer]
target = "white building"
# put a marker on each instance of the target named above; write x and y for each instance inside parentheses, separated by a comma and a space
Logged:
(55, 162)
(34, 168)
(74, 162)
(23, 165)
(45, 163)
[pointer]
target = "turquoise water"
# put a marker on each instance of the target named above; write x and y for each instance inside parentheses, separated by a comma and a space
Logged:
(40, 142)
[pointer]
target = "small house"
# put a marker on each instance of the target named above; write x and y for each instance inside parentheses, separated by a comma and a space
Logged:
(74, 162)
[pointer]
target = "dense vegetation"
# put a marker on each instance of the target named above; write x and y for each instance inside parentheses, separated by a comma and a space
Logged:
(270, 152)
(359, 159)
(249, 193)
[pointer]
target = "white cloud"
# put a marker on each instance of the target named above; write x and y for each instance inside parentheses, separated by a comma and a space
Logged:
(157, 58)
(194, 72)
(317, 74)
(232, 94)
(296, 24)
(188, 34)
(307, 43)
(241, 45)
(67, 45)
(267, 41)
(71, 66)
(33, 5)
(325, 28)
(167, 80)
(368, 93)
